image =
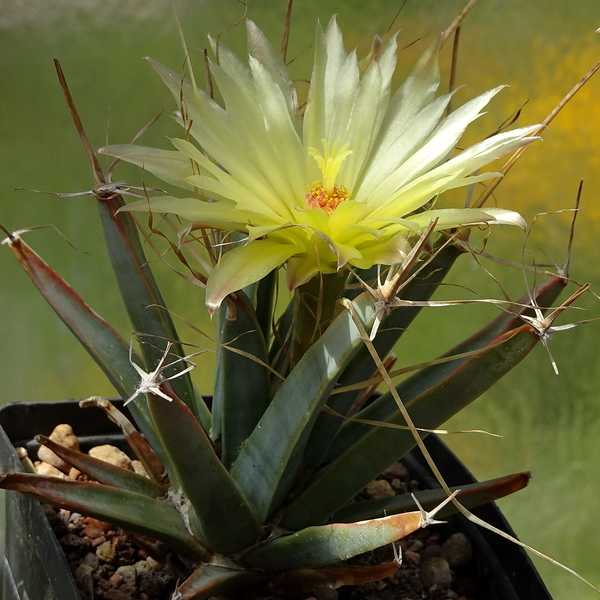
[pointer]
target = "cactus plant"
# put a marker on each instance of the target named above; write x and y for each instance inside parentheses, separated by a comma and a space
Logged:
(339, 195)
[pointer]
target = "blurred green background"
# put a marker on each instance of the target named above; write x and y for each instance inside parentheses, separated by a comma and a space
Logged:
(550, 424)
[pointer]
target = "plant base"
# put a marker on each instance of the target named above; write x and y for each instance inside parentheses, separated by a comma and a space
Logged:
(36, 566)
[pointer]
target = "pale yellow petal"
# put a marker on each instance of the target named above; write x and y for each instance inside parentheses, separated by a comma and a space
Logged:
(170, 166)
(389, 251)
(243, 266)
(218, 215)
(302, 269)
(454, 217)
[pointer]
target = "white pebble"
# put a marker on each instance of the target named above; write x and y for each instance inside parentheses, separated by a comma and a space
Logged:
(112, 455)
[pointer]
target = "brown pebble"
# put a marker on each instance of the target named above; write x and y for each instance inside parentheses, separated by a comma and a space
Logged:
(98, 541)
(128, 573)
(92, 560)
(115, 579)
(413, 557)
(83, 574)
(398, 486)
(94, 528)
(142, 566)
(436, 571)
(106, 552)
(45, 468)
(396, 471)
(457, 550)
(155, 583)
(380, 488)
(72, 541)
(153, 564)
(74, 473)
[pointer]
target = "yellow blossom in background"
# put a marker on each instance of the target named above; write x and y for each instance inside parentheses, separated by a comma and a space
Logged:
(340, 182)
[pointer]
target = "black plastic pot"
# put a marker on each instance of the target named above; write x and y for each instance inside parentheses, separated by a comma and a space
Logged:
(34, 566)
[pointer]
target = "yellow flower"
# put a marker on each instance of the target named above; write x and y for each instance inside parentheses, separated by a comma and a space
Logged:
(340, 184)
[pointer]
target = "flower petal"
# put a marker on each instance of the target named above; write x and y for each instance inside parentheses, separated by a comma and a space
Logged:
(383, 164)
(302, 269)
(332, 69)
(230, 142)
(434, 150)
(280, 130)
(452, 173)
(386, 252)
(347, 213)
(368, 112)
(242, 266)
(260, 48)
(219, 215)
(410, 99)
(455, 217)
(171, 166)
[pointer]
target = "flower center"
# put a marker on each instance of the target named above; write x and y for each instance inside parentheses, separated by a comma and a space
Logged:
(325, 194)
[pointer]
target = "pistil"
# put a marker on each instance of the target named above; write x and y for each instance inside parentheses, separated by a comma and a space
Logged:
(326, 194)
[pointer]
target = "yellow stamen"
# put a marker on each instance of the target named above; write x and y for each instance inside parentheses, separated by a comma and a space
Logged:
(318, 197)
(325, 194)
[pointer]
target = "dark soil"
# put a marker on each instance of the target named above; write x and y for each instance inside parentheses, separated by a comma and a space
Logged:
(106, 564)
